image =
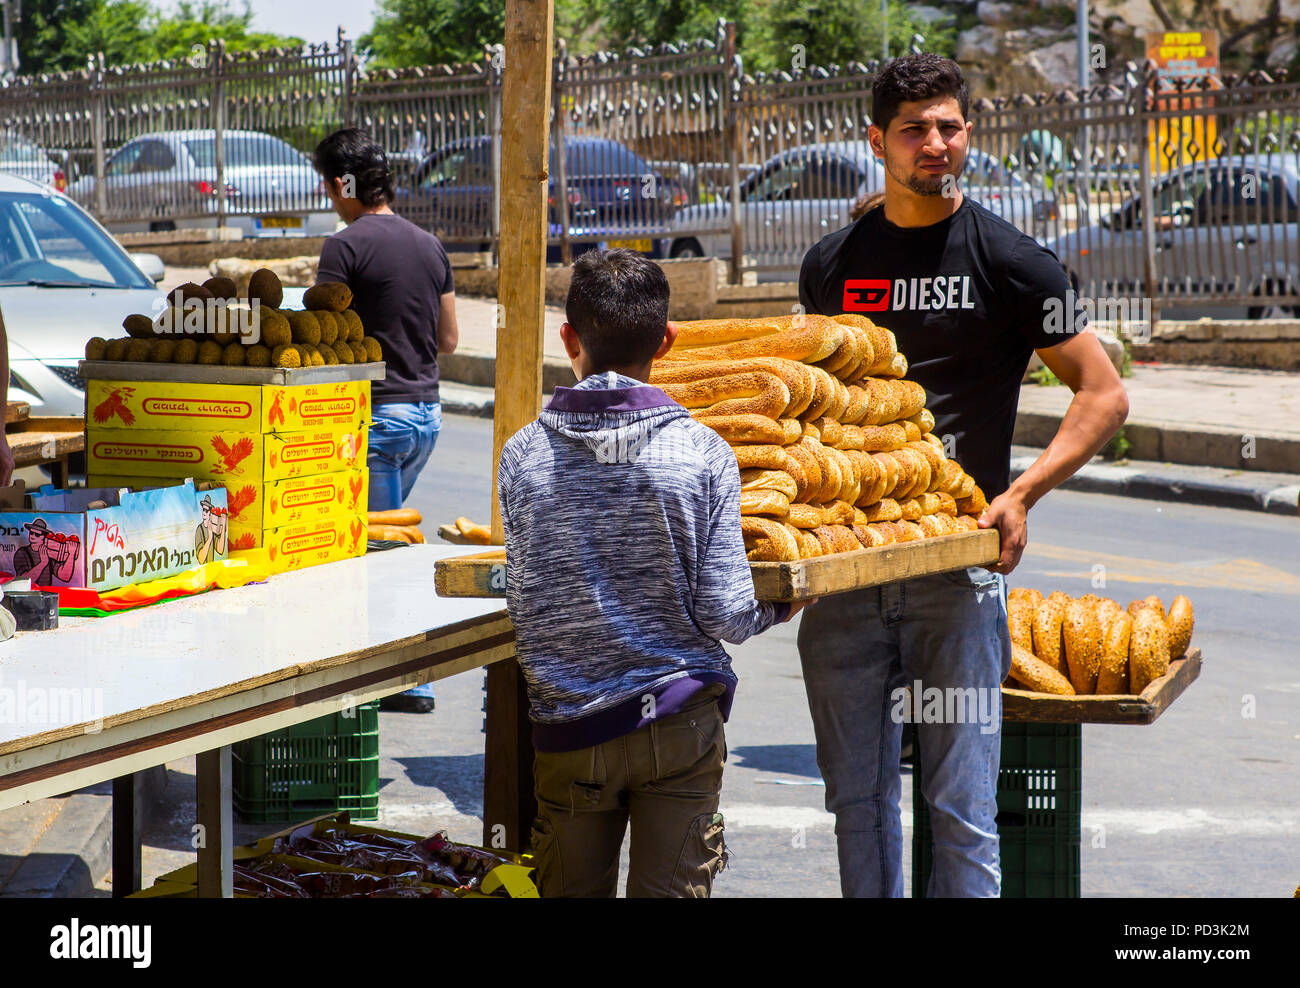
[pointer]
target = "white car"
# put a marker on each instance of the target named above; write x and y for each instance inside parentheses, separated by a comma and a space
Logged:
(168, 180)
(63, 279)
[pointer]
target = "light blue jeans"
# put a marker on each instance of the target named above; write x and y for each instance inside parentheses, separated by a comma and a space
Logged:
(401, 438)
(944, 637)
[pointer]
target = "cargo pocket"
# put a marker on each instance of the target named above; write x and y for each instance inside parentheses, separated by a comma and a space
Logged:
(546, 851)
(703, 857)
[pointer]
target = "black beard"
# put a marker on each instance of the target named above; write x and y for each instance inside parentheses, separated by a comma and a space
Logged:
(922, 185)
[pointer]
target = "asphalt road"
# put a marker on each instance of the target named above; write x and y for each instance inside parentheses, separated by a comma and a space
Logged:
(1205, 802)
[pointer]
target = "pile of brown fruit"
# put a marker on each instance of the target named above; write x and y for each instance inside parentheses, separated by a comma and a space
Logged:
(211, 324)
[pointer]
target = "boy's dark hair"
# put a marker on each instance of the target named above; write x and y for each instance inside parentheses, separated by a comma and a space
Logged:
(925, 76)
(618, 304)
(353, 152)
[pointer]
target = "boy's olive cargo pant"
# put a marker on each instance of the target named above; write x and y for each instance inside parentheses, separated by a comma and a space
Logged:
(666, 778)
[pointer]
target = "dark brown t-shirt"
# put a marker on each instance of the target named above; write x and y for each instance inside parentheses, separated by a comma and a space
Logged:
(398, 274)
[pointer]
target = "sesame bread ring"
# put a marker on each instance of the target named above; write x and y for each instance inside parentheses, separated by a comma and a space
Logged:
(965, 523)
(910, 509)
(891, 469)
(973, 505)
(1179, 624)
(839, 399)
(713, 332)
(965, 486)
(1148, 649)
(839, 513)
(809, 477)
(806, 516)
(752, 392)
(886, 509)
(823, 395)
(869, 537)
(852, 438)
(859, 404)
(924, 420)
(767, 540)
(769, 480)
(1081, 632)
(884, 402)
(1113, 678)
(897, 367)
(846, 355)
(910, 531)
(883, 438)
(816, 340)
(850, 488)
(931, 504)
(1037, 675)
(832, 475)
(743, 428)
(911, 431)
(911, 398)
(1046, 632)
(933, 457)
(810, 429)
(952, 474)
(774, 504)
(792, 430)
(947, 503)
(829, 431)
(761, 456)
(809, 547)
(934, 525)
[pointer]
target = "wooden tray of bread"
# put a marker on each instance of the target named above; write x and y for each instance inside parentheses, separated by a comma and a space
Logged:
(483, 574)
(1023, 705)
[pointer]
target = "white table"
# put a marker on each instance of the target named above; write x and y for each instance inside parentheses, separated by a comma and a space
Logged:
(102, 698)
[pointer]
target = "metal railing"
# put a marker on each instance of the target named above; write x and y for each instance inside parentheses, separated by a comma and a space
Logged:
(677, 151)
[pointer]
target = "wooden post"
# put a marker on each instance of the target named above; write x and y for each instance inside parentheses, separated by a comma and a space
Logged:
(521, 280)
(126, 837)
(216, 823)
(508, 801)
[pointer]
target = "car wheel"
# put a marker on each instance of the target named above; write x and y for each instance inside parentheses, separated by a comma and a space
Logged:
(1274, 310)
(685, 249)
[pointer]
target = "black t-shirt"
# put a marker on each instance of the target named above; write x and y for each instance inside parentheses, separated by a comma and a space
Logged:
(968, 299)
(398, 274)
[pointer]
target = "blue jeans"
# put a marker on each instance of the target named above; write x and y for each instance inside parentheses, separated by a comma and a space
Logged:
(939, 635)
(401, 438)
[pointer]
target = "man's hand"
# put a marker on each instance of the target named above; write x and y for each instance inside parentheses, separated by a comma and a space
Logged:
(798, 605)
(1009, 516)
(6, 461)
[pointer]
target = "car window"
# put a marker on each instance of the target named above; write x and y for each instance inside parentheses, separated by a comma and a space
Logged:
(244, 150)
(446, 170)
(16, 149)
(123, 163)
(827, 177)
(48, 238)
(604, 158)
(776, 182)
(155, 157)
(1243, 196)
(1176, 199)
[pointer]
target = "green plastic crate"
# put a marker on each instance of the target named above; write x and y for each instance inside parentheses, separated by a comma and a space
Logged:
(323, 765)
(1040, 802)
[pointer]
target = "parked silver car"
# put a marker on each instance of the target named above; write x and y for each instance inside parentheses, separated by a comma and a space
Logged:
(1225, 230)
(798, 196)
(168, 180)
(63, 279)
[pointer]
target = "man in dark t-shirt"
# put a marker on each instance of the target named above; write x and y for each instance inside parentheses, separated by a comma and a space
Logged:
(402, 289)
(969, 298)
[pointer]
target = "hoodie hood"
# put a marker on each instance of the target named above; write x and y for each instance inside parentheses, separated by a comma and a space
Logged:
(609, 412)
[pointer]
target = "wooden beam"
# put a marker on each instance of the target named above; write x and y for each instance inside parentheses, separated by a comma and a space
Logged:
(509, 803)
(525, 128)
(213, 782)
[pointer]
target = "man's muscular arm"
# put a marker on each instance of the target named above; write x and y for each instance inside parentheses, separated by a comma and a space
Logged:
(1099, 408)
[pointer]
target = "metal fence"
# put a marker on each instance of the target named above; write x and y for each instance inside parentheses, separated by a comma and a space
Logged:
(677, 151)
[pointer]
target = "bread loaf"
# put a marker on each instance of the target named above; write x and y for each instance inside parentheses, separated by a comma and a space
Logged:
(1036, 674)
(767, 540)
(764, 502)
(1179, 626)
(1148, 650)
(1020, 619)
(1046, 632)
(1113, 678)
(1081, 632)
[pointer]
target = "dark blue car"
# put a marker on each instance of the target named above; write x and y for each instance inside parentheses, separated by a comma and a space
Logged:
(615, 198)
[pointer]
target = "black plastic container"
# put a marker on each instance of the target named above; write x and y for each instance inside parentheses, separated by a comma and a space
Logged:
(34, 610)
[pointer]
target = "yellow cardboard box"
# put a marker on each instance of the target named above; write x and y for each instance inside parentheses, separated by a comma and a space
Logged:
(257, 507)
(295, 546)
(232, 458)
(173, 407)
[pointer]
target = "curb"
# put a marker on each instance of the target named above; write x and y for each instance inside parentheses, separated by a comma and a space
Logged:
(1151, 483)
(76, 849)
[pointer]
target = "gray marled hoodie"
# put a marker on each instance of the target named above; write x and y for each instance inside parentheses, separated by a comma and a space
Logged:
(627, 566)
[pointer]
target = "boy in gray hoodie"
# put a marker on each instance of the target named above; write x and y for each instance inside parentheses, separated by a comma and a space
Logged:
(627, 569)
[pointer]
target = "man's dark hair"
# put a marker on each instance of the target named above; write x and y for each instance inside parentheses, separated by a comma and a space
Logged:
(618, 304)
(353, 152)
(912, 78)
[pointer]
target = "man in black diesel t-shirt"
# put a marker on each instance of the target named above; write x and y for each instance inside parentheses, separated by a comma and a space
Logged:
(969, 298)
(403, 291)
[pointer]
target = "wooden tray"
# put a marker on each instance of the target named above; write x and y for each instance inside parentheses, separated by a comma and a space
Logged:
(45, 438)
(128, 370)
(483, 574)
(1022, 705)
